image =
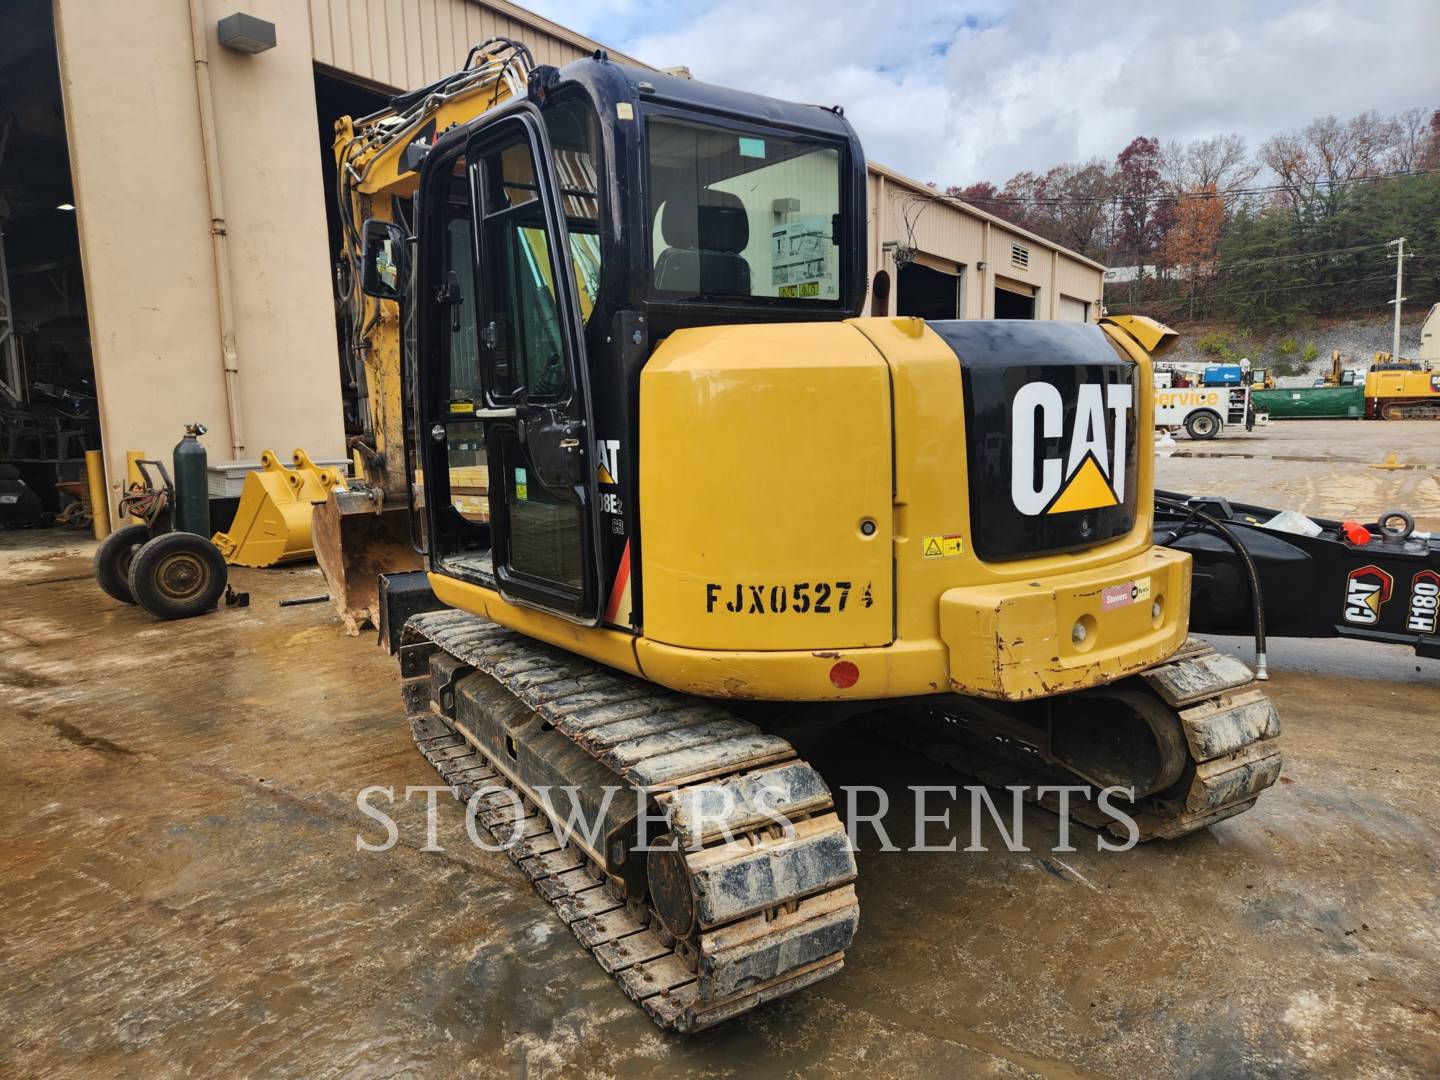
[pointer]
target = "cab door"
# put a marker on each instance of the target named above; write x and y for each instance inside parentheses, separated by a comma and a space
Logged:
(532, 409)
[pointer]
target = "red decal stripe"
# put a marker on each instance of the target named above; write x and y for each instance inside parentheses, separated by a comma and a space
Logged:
(617, 587)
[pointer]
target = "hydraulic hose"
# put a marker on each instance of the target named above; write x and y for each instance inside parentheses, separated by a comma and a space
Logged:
(1257, 603)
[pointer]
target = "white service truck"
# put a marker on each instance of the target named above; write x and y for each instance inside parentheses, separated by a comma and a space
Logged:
(1203, 411)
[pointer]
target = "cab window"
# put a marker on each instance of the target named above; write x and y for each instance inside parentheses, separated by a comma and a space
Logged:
(517, 269)
(570, 127)
(734, 213)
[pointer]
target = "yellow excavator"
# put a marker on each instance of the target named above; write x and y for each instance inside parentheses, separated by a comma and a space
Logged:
(710, 487)
(364, 527)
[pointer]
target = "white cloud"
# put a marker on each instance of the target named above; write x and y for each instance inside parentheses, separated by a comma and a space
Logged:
(956, 92)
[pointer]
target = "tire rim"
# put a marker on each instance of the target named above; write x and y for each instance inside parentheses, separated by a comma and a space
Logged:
(1204, 425)
(182, 576)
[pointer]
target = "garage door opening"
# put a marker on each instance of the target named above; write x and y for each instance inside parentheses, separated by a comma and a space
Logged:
(336, 97)
(927, 293)
(49, 409)
(1014, 300)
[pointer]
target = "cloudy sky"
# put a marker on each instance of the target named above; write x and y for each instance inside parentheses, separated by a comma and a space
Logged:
(958, 92)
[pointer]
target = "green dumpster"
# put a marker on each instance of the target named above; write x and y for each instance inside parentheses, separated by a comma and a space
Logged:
(1311, 402)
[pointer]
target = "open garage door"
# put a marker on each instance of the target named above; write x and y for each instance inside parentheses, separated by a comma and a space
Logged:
(927, 293)
(1014, 299)
(49, 413)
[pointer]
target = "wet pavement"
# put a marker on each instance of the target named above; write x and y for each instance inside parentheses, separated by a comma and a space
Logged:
(181, 891)
(1329, 468)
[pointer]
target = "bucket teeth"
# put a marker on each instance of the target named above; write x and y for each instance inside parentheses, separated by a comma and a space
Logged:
(775, 909)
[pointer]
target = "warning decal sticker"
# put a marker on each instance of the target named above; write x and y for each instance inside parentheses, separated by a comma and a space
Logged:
(942, 547)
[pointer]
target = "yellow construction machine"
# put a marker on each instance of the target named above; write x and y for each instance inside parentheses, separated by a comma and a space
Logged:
(709, 486)
(364, 527)
(1397, 388)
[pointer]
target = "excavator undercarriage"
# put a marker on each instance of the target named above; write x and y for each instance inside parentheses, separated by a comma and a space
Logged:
(741, 889)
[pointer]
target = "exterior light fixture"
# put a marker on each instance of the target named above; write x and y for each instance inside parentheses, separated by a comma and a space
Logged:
(65, 206)
(246, 33)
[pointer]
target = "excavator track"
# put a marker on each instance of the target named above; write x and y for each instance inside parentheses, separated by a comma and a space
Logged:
(761, 910)
(1231, 747)
(1411, 410)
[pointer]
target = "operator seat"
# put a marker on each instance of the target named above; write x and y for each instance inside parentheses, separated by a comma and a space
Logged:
(704, 243)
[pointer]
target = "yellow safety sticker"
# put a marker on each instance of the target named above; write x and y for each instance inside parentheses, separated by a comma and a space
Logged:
(462, 406)
(943, 547)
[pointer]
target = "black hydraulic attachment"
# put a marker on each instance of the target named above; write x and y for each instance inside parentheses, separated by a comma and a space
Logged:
(1386, 587)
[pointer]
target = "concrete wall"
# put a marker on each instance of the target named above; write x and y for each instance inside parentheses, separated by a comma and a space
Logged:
(131, 111)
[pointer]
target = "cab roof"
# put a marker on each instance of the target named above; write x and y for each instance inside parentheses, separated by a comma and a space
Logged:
(641, 85)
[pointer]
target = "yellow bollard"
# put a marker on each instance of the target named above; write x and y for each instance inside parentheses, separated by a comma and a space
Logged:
(133, 476)
(99, 496)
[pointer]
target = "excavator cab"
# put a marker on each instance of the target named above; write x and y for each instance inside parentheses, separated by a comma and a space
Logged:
(561, 235)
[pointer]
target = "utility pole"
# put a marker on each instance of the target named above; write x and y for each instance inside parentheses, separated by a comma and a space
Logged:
(1400, 257)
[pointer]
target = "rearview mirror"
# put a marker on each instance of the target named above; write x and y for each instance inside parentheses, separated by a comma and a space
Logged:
(385, 260)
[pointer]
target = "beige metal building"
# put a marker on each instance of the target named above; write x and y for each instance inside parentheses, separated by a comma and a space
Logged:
(1430, 335)
(942, 259)
(191, 276)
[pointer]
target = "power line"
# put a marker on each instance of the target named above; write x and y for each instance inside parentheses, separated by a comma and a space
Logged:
(1204, 297)
(1219, 267)
(1170, 195)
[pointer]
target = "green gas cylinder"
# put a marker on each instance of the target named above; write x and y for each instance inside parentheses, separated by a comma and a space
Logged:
(192, 485)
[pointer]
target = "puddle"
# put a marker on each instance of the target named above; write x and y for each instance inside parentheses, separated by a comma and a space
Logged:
(1291, 457)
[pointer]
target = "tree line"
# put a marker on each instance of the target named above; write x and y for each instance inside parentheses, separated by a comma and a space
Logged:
(1208, 230)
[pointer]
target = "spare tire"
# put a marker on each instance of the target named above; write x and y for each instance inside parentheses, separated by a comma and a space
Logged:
(177, 575)
(113, 558)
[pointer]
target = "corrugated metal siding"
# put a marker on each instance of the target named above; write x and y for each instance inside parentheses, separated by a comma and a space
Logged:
(1078, 280)
(408, 43)
(933, 227)
(1037, 270)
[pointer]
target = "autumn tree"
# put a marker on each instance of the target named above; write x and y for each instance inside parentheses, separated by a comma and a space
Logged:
(1430, 159)
(1194, 235)
(1079, 205)
(1311, 164)
(1222, 162)
(1067, 204)
(1142, 212)
(1414, 132)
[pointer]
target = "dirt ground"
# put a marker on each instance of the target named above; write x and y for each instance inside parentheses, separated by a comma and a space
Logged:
(181, 891)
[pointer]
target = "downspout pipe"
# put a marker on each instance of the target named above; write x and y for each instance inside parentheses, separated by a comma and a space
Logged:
(219, 247)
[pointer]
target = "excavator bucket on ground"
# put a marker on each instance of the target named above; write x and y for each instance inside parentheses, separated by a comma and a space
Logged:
(273, 521)
(357, 540)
